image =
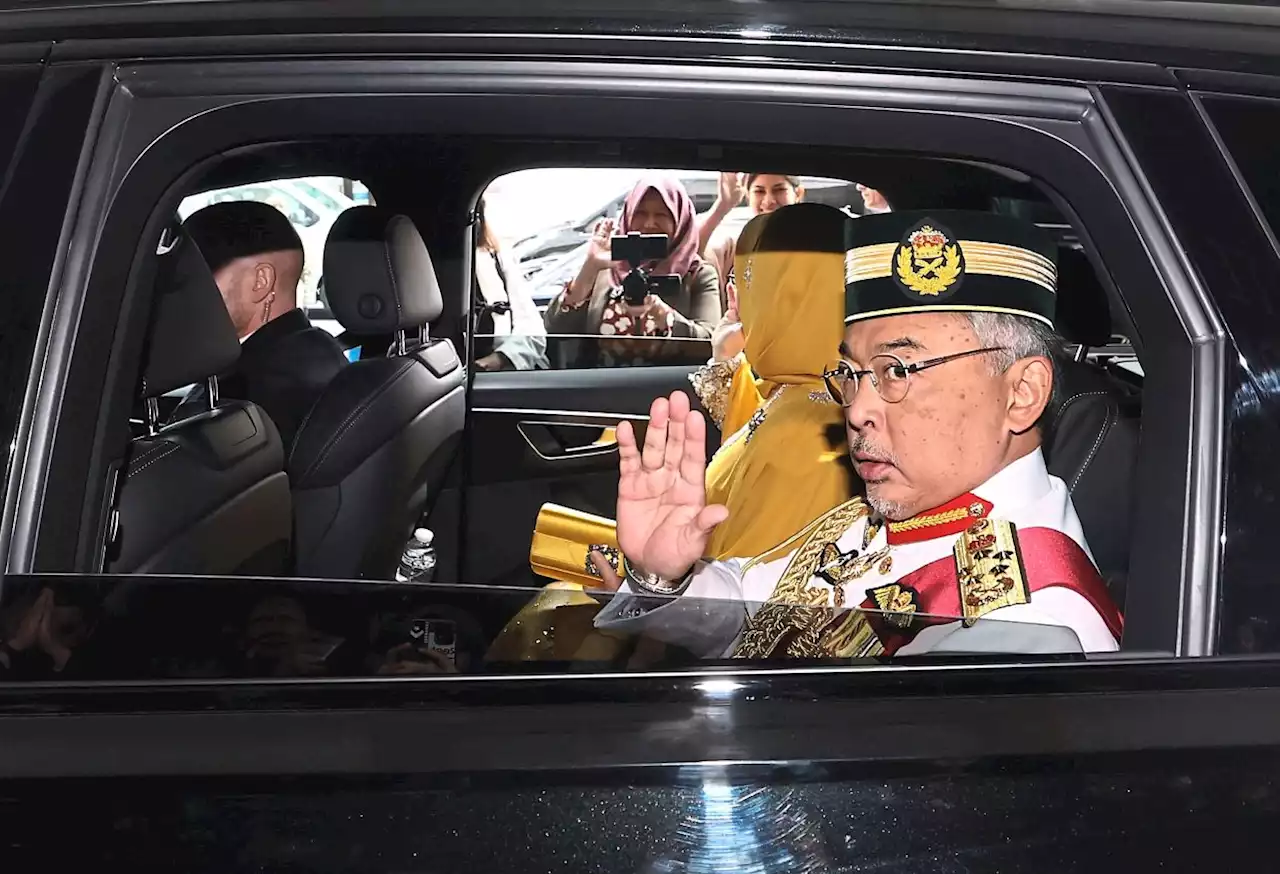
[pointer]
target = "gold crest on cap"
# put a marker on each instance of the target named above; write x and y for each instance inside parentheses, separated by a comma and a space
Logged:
(928, 262)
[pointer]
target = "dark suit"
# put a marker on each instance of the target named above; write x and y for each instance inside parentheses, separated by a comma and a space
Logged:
(283, 368)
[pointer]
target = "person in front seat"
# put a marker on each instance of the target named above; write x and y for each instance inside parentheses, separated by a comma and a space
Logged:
(946, 370)
(285, 362)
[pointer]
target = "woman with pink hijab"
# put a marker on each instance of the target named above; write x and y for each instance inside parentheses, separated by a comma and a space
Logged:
(592, 304)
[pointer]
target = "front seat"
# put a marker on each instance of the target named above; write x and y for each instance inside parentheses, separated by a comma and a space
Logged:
(1093, 427)
(207, 495)
(378, 442)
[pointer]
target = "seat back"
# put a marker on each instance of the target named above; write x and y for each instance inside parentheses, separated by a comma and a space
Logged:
(1091, 439)
(208, 494)
(376, 447)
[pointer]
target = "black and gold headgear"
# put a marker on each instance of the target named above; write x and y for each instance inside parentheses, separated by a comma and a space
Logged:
(948, 261)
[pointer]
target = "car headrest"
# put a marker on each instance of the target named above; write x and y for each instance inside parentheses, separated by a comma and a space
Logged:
(378, 275)
(1083, 313)
(192, 336)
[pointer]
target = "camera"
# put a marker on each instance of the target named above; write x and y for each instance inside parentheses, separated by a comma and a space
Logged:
(638, 249)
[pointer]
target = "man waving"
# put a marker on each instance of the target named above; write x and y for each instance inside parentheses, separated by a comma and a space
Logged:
(944, 375)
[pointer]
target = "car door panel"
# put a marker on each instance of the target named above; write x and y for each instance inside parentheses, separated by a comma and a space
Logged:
(547, 437)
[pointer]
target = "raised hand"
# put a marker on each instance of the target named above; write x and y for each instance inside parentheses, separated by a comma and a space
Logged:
(731, 189)
(664, 521)
(600, 249)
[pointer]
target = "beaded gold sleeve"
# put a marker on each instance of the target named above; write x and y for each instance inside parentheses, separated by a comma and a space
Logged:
(711, 381)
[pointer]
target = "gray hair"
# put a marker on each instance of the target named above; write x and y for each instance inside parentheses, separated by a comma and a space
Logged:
(1018, 337)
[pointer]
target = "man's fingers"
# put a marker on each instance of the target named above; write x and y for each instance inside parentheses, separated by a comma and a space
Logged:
(655, 436)
(678, 415)
(609, 580)
(693, 458)
(711, 516)
(628, 452)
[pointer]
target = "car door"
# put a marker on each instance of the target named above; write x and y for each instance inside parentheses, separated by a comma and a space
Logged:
(547, 437)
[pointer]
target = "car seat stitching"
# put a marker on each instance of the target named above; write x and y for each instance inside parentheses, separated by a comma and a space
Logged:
(141, 459)
(1097, 444)
(356, 414)
(172, 448)
(293, 447)
(1071, 400)
(395, 288)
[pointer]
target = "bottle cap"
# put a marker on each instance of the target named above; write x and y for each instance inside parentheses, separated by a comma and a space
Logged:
(424, 536)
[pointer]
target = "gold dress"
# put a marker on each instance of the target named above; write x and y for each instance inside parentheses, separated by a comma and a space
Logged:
(783, 460)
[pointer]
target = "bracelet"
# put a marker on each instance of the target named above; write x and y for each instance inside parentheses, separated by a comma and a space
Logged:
(654, 584)
(570, 307)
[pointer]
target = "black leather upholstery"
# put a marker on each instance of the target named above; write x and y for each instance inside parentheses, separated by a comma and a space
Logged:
(1093, 427)
(378, 274)
(1093, 446)
(207, 495)
(377, 444)
(191, 335)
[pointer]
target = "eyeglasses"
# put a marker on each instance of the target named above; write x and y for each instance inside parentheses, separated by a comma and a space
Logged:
(890, 375)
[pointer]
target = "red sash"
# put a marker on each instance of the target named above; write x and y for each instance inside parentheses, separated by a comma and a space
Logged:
(1049, 557)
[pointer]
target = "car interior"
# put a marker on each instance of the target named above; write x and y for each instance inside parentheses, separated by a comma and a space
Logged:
(409, 436)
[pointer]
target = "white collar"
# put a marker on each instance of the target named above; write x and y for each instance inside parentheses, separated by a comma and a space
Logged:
(1018, 484)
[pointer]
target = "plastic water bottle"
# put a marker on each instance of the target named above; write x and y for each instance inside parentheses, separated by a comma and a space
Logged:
(418, 564)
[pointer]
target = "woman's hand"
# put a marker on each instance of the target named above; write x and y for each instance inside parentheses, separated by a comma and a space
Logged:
(599, 256)
(727, 338)
(730, 191)
(600, 249)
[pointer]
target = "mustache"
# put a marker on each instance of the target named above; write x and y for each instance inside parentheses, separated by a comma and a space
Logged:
(860, 445)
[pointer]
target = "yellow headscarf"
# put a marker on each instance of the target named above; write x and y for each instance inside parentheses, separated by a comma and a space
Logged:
(790, 469)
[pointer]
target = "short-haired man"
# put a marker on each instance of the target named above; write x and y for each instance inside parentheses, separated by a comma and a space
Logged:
(285, 361)
(946, 370)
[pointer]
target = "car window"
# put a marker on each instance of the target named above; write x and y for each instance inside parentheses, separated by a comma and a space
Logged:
(511, 448)
(312, 205)
(1246, 125)
(536, 241)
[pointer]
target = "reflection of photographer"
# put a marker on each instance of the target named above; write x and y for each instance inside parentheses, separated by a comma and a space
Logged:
(430, 640)
(642, 282)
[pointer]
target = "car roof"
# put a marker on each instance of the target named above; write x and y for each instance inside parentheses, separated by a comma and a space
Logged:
(1163, 31)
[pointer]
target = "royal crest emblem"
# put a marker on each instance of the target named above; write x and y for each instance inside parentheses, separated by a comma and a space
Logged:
(929, 262)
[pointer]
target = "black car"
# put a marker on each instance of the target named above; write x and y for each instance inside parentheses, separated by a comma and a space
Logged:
(208, 621)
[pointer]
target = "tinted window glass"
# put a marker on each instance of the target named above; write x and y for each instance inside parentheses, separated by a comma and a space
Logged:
(35, 195)
(1248, 128)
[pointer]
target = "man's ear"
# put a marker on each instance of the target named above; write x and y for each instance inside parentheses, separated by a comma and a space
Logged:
(264, 280)
(1030, 382)
(800, 194)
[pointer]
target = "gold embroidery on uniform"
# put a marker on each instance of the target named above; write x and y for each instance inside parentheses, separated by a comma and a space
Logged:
(989, 569)
(898, 604)
(795, 605)
(851, 637)
(929, 520)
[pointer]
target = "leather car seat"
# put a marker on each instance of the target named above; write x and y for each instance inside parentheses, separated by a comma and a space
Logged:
(1093, 427)
(377, 444)
(207, 495)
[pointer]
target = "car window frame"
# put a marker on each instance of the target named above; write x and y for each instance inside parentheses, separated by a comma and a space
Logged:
(874, 110)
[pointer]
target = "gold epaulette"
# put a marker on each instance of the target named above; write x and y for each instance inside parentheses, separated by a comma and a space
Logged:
(989, 569)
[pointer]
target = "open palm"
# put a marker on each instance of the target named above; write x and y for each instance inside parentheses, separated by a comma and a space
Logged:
(664, 522)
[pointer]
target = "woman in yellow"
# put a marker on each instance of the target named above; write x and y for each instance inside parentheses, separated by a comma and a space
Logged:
(783, 461)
